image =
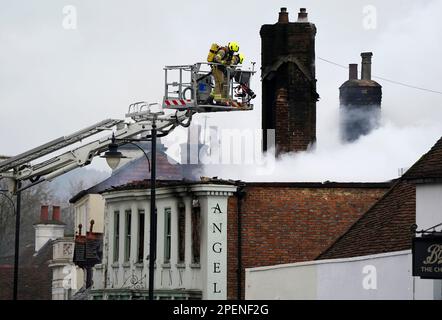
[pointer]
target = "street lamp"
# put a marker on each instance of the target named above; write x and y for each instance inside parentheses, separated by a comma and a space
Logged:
(113, 157)
(17, 237)
(11, 202)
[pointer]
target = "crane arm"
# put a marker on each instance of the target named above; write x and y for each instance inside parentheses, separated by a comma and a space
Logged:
(83, 155)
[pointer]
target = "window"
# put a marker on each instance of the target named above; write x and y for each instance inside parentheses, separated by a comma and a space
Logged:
(116, 235)
(196, 222)
(181, 232)
(167, 234)
(128, 235)
(140, 235)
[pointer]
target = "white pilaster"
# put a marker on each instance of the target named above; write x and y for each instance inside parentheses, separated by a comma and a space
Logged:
(188, 232)
(134, 234)
(213, 204)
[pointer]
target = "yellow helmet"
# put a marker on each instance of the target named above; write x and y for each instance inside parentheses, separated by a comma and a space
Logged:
(241, 58)
(233, 46)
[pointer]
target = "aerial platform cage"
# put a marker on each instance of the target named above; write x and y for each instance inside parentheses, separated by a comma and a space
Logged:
(189, 87)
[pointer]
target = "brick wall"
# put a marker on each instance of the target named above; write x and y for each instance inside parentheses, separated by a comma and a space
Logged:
(287, 223)
(288, 96)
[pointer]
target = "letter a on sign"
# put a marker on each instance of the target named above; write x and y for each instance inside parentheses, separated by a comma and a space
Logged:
(216, 209)
(369, 282)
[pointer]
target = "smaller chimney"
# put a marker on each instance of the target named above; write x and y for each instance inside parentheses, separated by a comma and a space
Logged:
(302, 15)
(46, 230)
(366, 65)
(283, 16)
(44, 213)
(56, 214)
(353, 71)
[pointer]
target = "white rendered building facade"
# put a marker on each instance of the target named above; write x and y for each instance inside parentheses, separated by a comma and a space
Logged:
(191, 261)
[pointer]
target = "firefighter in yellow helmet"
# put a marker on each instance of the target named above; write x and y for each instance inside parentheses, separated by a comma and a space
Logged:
(223, 56)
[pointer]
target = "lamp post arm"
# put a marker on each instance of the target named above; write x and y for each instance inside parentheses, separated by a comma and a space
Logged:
(138, 146)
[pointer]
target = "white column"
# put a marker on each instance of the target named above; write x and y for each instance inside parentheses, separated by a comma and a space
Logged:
(188, 232)
(122, 234)
(146, 236)
(134, 234)
(213, 203)
(160, 244)
(174, 234)
(111, 236)
(146, 253)
(106, 244)
(84, 219)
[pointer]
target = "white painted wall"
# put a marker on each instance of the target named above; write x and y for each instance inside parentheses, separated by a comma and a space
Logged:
(46, 232)
(428, 205)
(214, 242)
(90, 207)
(383, 276)
(429, 214)
(168, 276)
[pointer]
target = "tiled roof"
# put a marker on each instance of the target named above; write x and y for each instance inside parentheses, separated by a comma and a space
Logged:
(429, 165)
(137, 170)
(386, 226)
(34, 276)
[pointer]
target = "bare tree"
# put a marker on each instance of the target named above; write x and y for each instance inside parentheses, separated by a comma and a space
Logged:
(31, 200)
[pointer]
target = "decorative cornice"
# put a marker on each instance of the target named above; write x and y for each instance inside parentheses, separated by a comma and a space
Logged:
(164, 192)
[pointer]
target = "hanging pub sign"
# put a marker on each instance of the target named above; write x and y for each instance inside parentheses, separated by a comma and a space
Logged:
(88, 249)
(427, 256)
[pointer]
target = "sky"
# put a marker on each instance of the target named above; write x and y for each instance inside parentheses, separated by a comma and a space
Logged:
(56, 80)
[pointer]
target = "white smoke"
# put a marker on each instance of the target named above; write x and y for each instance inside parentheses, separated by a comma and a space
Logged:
(378, 156)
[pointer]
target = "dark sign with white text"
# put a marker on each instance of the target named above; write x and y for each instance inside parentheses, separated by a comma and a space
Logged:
(427, 257)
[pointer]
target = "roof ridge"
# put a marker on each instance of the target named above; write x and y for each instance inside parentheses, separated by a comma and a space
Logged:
(437, 147)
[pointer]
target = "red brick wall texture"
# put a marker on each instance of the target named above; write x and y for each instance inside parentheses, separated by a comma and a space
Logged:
(287, 223)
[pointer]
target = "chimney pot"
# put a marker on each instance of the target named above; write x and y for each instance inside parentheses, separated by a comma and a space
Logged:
(366, 65)
(353, 71)
(56, 214)
(302, 15)
(44, 213)
(283, 16)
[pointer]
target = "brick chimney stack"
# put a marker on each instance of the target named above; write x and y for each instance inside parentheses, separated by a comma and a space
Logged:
(366, 65)
(56, 213)
(353, 71)
(302, 15)
(283, 16)
(360, 102)
(44, 213)
(289, 83)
